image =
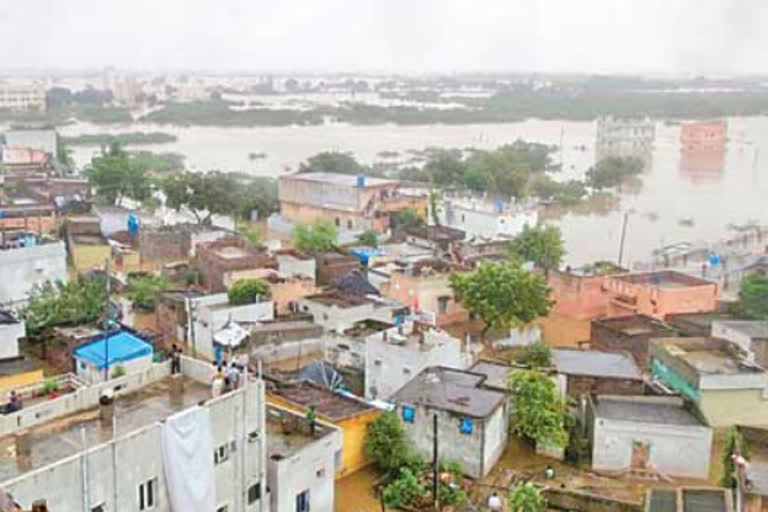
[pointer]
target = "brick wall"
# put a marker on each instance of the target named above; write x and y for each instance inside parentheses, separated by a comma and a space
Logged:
(213, 267)
(162, 245)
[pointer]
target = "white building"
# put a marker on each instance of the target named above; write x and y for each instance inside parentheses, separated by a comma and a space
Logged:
(625, 138)
(479, 217)
(337, 312)
(123, 456)
(11, 331)
(22, 97)
(23, 268)
(102, 357)
(395, 356)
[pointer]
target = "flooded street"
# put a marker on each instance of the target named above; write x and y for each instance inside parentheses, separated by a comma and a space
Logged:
(355, 492)
(673, 189)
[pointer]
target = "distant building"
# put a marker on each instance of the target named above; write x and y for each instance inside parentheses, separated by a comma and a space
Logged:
(660, 293)
(15, 370)
(472, 421)
(214, 260)
(649, 434)
(88, 248)
(176, 242)
(479, 217)
(38, 139)
(22, 97)
(333, 264)
(716, 376)
(29, 261)
(702, 149)
(352, 203)
(285, 290)
(336, 311)
(632, 333)
(625, 138)
(585, 372)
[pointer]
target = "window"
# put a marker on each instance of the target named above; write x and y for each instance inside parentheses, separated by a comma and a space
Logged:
(466, 426)
(147, 493)
(222, 508)
(101, 507)
(338, 222)
(320, 473)
(408, 414)
(83, 366)
(302, 501)
(442, 304)
(221, 454)
(254, 493)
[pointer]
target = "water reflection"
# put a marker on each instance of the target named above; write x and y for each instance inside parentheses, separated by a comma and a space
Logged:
(702, 150)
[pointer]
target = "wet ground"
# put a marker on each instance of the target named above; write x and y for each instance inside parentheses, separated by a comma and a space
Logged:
(355, 492)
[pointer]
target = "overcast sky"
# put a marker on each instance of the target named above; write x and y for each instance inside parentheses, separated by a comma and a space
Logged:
(677, 36)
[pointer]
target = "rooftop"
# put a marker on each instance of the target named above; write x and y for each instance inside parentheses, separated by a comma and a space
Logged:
(659, 410)
(337, 299)
(753, 329)
(496, 374)
(702, 320)
(288, 433)
(6, 318)
(707, 356)
(115, 348)
(456, 391)
(664, 279)
(61, 438)
(692, 499)
(333, 406)
(364, 328)
(617, 365)
(231, 252)
(344, 180)
(637, 325)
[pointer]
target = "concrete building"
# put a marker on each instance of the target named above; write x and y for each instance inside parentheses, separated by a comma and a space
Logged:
(38, 139)
(338, 312)
(754, 486)
(285, 290)
(22, 97)
(584, 372)
(632, 333)
(478, 217)
(472, 421)
(352, 203)
(293, 263)
(88, 248)
(696, 135)
(696, 325)
(330, 265)
(751, 336)
(625, 138)
(15, 370)
(98, 360)
(301, 462)
(214, 260)
(398, 354)
(80, 455)
(174, 243)
(649, 434)
(425, 287)
(11, 331)
(713, 373)
(346, 412)
(24, 266)
(579, 293)
(658, 294)
(705, 499)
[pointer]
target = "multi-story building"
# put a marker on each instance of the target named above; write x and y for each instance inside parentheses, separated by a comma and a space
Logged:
(27, 261)
(702, 148)
(352, 203)
(22, 97)
(478, 217)
(625, 138)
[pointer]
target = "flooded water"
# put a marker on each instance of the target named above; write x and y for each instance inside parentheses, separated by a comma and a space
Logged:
(719, 192)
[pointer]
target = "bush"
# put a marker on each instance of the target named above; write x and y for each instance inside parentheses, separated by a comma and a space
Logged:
(369, 238)
(50, 386)
(536, 355)
(404, 490)
(526, 497)
(385, 442)
(320, 236)
(733, 439)
(451, 493)
(247, 291)
(145, 290)
(540, 413)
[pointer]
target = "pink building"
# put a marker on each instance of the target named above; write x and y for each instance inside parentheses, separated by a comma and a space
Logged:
(658, 294)
(579, 293)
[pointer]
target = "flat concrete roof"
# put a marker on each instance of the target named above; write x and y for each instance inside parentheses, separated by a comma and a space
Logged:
(636, 325)
(61, 438)
(327, 403)
(496, 374)
(753, 329)
(663, 279)
(645, 409)
(450, 390)
(337, 299)
(344, 180)
(593, 363)
(707, 355)
(288, 433)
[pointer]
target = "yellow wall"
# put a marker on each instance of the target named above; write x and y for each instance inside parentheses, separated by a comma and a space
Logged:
(734, 407)
(353, 435)
(85, 257)
(19, 379)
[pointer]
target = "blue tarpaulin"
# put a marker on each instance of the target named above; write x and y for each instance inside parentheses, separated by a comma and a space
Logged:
(119, 347)
(366, 253)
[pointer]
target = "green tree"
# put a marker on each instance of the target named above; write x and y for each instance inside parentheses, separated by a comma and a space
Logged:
(385, 442)
(251, 236)
(247, 291)
(115, 176)
(540, 413)
(258, 194)
(434, 205)
(734, 442)
(407, 218)
(536, 355)
(332, 161)
(143, 291)
(451, 494)
(369, 238)
(404, 490)
(613, 171)
(81, 300)
(502, 295)
(753, 297)
(526, 497)
(203, 194)
(542, 245)
(320, 236)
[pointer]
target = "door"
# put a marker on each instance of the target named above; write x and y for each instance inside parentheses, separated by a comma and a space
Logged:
(302, 501)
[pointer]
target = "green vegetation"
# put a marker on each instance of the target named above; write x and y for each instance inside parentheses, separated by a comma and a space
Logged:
(79, 301)
(385, 442)
(540, 413)
(542, 245)
(403, 490)
(320, 236)
(450, 494)
(250, 235)
(526, 497)
(407, 218)
(118, 371)
(219, 113)
(143, 291)
(502, 295)
(158, 163)
(753, 297)
(602, 268)
(332, 161)
(612, 172)
(115, 176)
(50, 385)
(734, 442)
(536, 355)
(247, 291)
(203, 194)
(567, 193)
(255, 194)
(124, 139)
(369, 238)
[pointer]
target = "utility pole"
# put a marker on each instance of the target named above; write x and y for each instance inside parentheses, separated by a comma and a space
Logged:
(107, 317)
(623, 236)
(435, 462)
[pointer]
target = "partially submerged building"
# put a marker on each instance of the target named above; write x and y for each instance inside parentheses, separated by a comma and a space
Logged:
(713, 373)
(617, 137)
(649, 435)
(472, 421)
(584, 372)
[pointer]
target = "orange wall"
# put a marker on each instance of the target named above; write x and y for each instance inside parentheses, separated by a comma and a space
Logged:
(43, 224)
(659, 302)
(424, 291)
(577, 296)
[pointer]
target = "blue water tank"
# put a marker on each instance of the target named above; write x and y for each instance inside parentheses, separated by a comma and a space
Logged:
(360, 180)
